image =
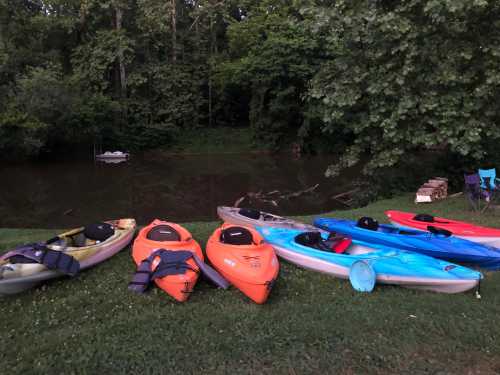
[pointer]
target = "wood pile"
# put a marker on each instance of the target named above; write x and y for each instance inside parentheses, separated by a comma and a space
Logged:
(434, 189)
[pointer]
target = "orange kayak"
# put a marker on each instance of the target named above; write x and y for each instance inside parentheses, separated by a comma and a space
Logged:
(242, 257)
(173, 237)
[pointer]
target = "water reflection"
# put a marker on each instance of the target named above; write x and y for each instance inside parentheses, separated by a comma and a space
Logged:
(175, 187)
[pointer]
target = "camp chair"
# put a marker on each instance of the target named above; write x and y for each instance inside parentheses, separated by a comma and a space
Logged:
(478, 198)
(489, 180)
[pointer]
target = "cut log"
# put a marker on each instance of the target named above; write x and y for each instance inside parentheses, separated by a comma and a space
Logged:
(435, 188)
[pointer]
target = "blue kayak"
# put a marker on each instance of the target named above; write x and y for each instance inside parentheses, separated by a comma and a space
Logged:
(437, 243)
(392, 266)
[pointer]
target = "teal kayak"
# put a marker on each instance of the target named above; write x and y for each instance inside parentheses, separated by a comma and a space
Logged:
(391, 266)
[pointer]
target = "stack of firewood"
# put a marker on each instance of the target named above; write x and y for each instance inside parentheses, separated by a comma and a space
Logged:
(435, 188)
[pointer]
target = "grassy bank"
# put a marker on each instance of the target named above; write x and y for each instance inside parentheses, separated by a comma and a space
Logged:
(312, 322)
(216, 140)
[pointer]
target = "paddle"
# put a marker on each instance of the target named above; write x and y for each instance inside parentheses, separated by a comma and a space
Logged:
(362, 276)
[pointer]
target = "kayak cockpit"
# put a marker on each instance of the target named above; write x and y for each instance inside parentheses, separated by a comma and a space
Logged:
(372, 224)
(334, 243)
(259, 215)
(82, 237)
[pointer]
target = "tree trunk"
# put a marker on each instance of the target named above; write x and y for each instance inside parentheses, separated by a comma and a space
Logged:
(174, 30)
(82, 21)
(210, 115)
(121, 59)
(197, 62)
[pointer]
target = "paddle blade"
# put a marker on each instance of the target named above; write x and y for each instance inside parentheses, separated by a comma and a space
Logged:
(362, 276)
(211, 273)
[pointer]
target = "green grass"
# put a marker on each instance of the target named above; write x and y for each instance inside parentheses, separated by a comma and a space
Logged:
(216, 140)
(312, 323)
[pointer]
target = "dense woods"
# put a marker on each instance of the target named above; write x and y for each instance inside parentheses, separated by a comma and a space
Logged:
(377, 77)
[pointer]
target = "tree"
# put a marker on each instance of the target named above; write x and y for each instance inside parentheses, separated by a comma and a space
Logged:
(408, 76)
(121, 58)
(273, 56)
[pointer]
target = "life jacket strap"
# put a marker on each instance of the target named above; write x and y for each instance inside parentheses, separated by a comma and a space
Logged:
(171, 263)
(52, 259)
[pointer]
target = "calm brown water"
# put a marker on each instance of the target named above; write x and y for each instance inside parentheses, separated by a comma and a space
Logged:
(60, 194)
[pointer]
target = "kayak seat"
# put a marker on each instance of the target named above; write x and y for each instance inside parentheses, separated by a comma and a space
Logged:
(98, 231)
(163, 233)
(75, 240)
(79, 240)
(338, 243)
(439, 231)
(334, 243)
(368, 223)
(424, 217)
(250, 213)
(236, 236)
(313, 240)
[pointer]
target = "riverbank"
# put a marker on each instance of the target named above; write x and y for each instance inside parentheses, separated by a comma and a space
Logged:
(311, 323)
(216, 140)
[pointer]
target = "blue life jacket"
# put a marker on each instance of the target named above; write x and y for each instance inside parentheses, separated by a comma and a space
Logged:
(39, 253)
(171, 263)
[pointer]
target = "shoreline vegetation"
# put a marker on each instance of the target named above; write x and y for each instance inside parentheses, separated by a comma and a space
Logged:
(311, 323)
(137, 75)
(220, 140)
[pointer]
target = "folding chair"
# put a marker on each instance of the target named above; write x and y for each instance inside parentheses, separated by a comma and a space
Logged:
(478, 198)
(489, 179)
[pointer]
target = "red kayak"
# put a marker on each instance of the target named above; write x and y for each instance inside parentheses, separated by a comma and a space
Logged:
(462, 229)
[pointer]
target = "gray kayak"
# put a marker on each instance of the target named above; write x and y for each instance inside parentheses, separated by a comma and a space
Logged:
(255, 218)
(18, 277)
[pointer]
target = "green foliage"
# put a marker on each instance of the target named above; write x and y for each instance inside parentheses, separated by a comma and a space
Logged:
(164, 98)
(274, 56)
(21, 135)
(409, 76)
(37, 103)
(376, 78)
(221, 140)
(93, 116)
(70, 113)
(94, 61)
(43, 94)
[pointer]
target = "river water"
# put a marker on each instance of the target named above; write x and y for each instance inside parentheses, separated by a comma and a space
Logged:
(66, 193)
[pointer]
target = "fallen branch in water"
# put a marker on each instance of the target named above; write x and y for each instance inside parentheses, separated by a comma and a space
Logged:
(301, 192)
(345, 198)
(273, 197)
(349, 192)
